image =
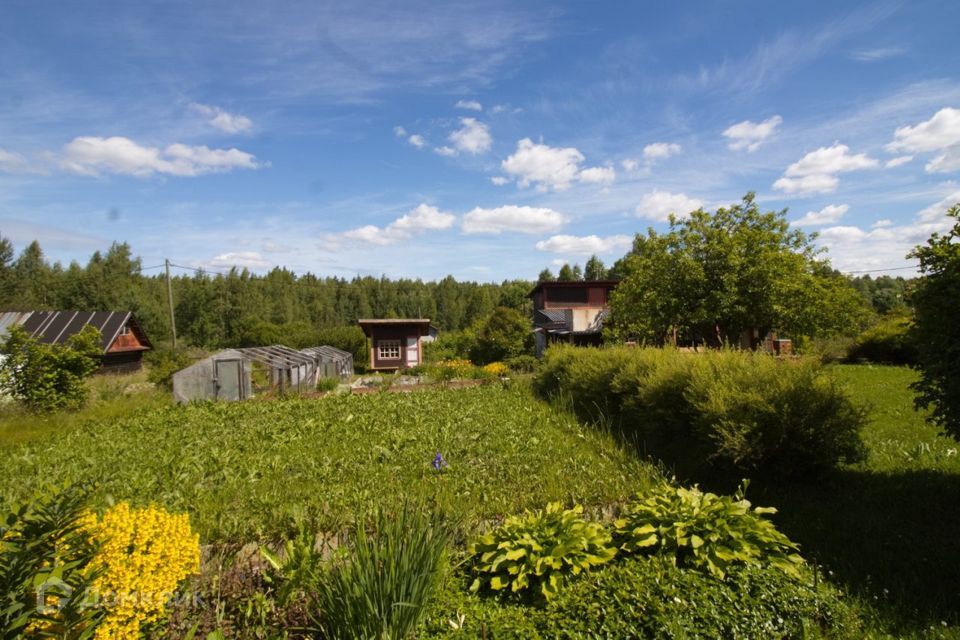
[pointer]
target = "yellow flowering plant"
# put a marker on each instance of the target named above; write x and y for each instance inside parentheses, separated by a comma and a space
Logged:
(143, 555)
(497, 369)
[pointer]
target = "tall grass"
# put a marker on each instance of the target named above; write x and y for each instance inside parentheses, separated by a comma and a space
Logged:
(380, 590)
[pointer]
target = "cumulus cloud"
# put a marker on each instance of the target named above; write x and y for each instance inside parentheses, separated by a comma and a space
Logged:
(660, 150)
(521, 219)
(473, 137)
(939, 134)
(400, 132)
(629, 165)
(422, 218)
(749, 135)
(417, 141)
(817, 171)
(93, 156)
(499, 180)
(828, 215)
(248, 259)
(658, 205)
(11, 162)
(223, 120)
(553, 168)
(445, 151)
(469, 105)
(598, 175)
(585, 245)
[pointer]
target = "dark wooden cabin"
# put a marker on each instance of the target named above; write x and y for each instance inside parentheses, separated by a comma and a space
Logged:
(122, 338)
(571, 311)
(395, 343)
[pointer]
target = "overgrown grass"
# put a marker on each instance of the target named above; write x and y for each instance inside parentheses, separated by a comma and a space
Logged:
(257, 470)
(886, 528)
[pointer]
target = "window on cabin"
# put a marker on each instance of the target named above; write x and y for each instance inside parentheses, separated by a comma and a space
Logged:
(125, 331)
(388, 349)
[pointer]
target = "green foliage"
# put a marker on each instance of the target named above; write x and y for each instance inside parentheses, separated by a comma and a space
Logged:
(887, 342)
(522, 364)
(738, 410)
(48, 377)
(327, 384)
(886, 294)
(381, 588)
(715, 276)
(536, 551)
(936, 331)
(163, 363)
(705, 531)
(594, 269)
(450, 345)
(44, 556)
(505, 334)
(279, 467)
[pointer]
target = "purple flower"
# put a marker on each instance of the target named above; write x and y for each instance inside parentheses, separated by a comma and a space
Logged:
(439, 463)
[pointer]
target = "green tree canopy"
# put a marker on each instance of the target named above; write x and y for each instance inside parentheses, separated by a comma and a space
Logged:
(594, 269)
(505, 334)
(936, 332)
(714, 276)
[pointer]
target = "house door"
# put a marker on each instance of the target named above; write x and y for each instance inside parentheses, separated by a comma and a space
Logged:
(229, 379)
(413, 353)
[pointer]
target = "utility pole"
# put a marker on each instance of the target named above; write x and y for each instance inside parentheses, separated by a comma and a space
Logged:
(173, 322)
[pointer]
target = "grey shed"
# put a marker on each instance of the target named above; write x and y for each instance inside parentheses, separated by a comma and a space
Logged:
(331, 362)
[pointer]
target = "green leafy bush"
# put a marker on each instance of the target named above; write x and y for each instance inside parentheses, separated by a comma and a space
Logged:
(705, 531)
(44, 576)
(522, 364)
(327, 384)
(48, 377)
(163, 363)
(535, 551)
(380, 588)
(887, 342)
(735, 410)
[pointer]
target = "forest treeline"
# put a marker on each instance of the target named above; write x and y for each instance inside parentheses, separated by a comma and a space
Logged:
(241, 308)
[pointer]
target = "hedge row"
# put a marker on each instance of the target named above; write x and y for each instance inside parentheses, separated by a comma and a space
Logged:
(727, 410)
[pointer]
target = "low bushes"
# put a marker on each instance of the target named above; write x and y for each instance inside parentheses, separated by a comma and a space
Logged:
(887, 342)
(735, 410)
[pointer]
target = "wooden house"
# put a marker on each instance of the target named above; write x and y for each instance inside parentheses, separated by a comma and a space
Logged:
(395, 343)
(571, 312)
(122, 338)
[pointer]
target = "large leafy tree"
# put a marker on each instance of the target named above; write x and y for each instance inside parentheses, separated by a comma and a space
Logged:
(505, 334)
(935, 331)
(715, 276)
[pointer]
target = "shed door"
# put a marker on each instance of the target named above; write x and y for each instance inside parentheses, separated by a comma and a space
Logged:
(229, 375)
(413, 353)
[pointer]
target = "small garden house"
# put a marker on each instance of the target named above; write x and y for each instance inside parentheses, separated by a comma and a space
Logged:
(395, 343)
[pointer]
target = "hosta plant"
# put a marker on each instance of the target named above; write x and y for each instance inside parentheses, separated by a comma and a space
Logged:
(537, 550)
(705, 531)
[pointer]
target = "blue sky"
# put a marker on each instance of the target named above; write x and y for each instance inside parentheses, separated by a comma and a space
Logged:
(481, 139)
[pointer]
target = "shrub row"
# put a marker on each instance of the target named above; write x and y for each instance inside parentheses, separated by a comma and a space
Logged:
(733, 410)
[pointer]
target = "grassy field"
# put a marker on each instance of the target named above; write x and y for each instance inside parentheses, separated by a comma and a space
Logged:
(886, 528)
(257, 470)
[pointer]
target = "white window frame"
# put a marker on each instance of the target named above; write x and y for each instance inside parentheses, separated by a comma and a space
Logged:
(125, 331)
(389, 350)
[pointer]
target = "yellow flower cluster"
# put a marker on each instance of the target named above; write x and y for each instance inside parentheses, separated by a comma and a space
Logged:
(144, 554)
(496, 369)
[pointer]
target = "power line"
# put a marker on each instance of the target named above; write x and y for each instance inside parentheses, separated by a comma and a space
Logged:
(887, 269)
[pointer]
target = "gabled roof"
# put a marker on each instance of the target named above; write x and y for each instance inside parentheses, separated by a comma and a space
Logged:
(55, 327)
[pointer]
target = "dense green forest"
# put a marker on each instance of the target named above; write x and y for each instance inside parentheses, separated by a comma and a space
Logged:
(238, 307)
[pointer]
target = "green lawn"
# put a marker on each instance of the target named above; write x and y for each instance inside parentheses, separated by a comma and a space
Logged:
(886, 528)
(255, 470)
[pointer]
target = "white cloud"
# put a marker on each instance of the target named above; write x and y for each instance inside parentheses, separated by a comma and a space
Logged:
(417, 141)
(248, 259)
(554, 168)
(941, 133)
(422, 218)
(658, 205)
(521, 219)
(660, 150)
(816, 171)
(875, 55)
(629, 165)
(896, 162)
(880, 224)
(470, 105)
(598, 175)
(473, 137)
(499, 180)
(11, 162)
(750, 135)
(399, 131)
(585, 245)
(445, 151)
(828, 215)
(94, 156)
(223, 120)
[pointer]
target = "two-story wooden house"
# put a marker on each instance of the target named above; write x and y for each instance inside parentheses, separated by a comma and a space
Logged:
(571, 312)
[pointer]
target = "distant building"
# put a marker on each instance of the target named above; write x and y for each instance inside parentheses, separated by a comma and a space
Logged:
(572, 312)
(122, 338)
(395, 343)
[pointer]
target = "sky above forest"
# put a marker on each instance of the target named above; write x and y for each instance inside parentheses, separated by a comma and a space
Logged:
(486, 140)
